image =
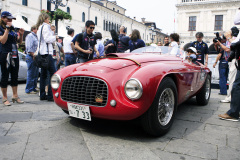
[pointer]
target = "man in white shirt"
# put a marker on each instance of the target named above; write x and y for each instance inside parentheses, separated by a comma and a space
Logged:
(69, 49)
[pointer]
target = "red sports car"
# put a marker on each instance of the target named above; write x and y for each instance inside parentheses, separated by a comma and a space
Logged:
(148, 83)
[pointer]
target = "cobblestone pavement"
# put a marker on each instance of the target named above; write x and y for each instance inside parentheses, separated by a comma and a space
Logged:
(39, 130)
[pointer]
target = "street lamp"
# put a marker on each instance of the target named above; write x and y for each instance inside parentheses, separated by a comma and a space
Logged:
(152, 26)
(57, 3)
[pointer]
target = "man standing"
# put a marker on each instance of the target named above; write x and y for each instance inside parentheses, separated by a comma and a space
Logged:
(68, 48)
(233, 113)
(31, 45)
(166, 41)
(85, 43)
(123, 43)
(202, 49)
(223, 49)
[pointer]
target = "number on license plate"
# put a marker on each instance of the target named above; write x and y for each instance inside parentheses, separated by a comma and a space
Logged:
(79, 111)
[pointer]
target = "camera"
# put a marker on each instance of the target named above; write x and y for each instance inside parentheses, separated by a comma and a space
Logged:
(12, 28)
(217, 38)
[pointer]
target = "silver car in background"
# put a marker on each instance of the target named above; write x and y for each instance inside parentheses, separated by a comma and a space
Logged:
(22, 74)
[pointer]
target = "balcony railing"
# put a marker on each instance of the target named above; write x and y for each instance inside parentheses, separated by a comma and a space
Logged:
(185, 1)
(189, 1)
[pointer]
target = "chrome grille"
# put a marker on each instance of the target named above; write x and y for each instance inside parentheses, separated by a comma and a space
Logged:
(84, 90)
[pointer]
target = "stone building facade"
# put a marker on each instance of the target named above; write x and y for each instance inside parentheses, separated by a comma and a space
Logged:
(207, 16)
(106, 14)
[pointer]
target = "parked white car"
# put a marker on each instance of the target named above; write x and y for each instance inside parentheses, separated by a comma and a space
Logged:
(215, 72)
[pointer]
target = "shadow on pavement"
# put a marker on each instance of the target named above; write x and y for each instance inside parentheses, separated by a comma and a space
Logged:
(189, 117)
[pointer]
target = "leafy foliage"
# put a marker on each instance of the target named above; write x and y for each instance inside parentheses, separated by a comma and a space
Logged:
(60, 14)
(57, 14)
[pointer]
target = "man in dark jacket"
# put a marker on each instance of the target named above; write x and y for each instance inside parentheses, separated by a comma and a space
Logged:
(85, 44)
(202, 49)
(123, 43)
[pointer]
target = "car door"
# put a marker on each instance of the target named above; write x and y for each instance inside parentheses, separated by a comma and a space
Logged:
(22, 74)
(192, 76)
(201, 74)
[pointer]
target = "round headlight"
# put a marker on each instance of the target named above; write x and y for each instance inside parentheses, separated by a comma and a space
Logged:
(133, 89)
(55, 81)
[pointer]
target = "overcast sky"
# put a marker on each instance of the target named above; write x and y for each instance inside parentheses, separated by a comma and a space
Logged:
(159, 11)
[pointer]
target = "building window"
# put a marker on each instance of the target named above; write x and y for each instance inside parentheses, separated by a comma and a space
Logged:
(104, 27)
(110, 27)
(118, 11)
(25, 19)
(24, 2)
(48, 6)
(218, 23)
(192, 23)
(96, 21)
(68, 10)
(83, 17)
(114, 9)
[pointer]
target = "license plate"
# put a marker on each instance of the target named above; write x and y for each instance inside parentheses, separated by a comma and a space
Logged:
(79, 111)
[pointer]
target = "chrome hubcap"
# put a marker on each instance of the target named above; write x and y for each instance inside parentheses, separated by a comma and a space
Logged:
(208, 87)
(166, 106)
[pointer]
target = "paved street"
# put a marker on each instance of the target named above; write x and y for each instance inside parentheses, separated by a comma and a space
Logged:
(39, 130)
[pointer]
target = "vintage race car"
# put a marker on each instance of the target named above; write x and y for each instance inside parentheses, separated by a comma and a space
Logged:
(148, 84)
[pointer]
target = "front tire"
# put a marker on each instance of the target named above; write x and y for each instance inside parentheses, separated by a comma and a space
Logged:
(203, 96)
(159, 117)
(65, 111)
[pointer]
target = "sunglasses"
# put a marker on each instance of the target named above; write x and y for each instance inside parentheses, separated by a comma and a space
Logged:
(92, 27)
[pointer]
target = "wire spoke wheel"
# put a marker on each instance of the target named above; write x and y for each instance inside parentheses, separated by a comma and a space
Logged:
(159, 118)
(166, 106)
(208, 88)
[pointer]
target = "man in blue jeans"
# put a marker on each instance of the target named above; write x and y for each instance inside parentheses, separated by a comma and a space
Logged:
(31, 45)
(69, 49)
(223, 48)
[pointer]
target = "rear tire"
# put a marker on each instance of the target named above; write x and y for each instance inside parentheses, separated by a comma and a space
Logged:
(159, 117)
(203, 96)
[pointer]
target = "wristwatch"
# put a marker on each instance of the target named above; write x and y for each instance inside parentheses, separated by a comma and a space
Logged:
(8, 27)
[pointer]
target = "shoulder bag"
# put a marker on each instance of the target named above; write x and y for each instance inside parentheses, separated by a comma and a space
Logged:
(42, 61)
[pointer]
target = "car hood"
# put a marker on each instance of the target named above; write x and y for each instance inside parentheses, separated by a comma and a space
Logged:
(122, 60)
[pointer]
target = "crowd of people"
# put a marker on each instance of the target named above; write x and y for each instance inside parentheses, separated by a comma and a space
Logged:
(86, 46)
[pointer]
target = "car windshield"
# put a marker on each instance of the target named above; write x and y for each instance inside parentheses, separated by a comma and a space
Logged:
(160, 50)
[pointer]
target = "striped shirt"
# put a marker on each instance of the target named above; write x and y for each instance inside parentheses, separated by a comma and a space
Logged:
(31, 42)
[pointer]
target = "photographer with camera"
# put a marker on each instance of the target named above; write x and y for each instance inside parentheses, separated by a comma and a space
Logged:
(85, 44)
(202, 49)
(232, 67)
(222, 46)
(9, 56)
(233, 113)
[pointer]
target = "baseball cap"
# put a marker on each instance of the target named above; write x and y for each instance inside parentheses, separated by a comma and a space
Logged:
(192, 49)
(8, 15)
